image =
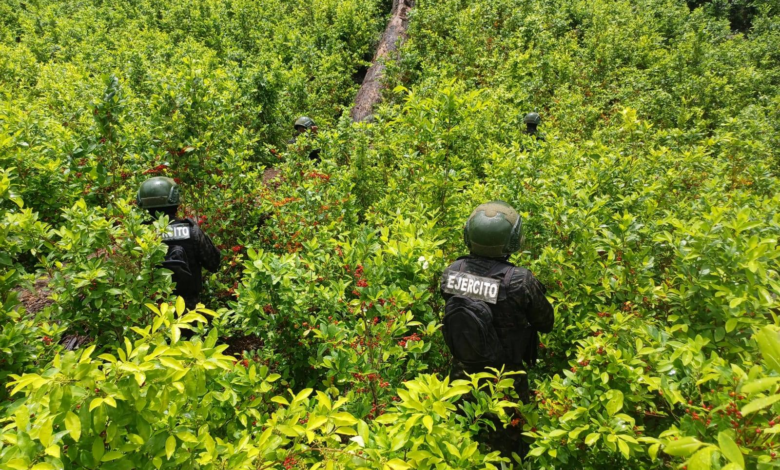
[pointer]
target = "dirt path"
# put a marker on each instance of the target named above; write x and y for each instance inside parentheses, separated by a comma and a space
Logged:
(37, 299)
(370, 93)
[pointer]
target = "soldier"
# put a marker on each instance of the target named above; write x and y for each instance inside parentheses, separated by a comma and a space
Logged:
(189, 249)
(532, 121)
(494, 309)
(305, 124)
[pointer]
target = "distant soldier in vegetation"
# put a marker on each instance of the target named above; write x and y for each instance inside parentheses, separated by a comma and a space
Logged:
(305, 124)
(189, 249)
(494, 309)
(532, 121)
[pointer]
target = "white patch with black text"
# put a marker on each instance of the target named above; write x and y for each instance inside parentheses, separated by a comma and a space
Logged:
(176, 232)
(474, 287)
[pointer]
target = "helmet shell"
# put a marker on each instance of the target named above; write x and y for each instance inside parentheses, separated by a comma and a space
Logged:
(532, 118)
(305, 122)
(493, 230)
(156, 192)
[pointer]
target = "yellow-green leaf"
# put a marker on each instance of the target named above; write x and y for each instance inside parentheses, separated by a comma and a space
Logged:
(280, 400)
(17, 464)
(398, 464)
(428, 422)
(624, 448)
(682, 447)
(456, 391)
(769, 343)
(759, 404)
(760, 385)
(170, 447)
(73, 425)
(54, 451)
(95, 403)
(87, 352)
(113, 455)
(701, 460)
(44, 434)
(346, 431)
(43, 466)
(316, 421)
(186, 436)
(592, 438)
(387, 418)
(730, 449)
(303, 394)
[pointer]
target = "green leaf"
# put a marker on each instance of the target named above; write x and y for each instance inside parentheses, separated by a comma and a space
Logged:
(592, 438)
(170, 447)
(456, 391)
(95, 403)
(653, 451)
(701, 460)
(316, 421)
(398, 464)
(615, 402)
(73, 425)
(180, 305)
(428, 423)
(387, 418)
(17, 464)
(624, 449)
(344, 419)
(43, 466)
(280, 400)
(85, 355)
(730, 449)
(44, 434)
(769, 343)
(113, 455)
(54, 451)
(732, 466)
(760, 404)
(98, 448)
(303, 394)
(731, 324)
(186, 436)
(537, 451)
(682, 447)
(760, 385)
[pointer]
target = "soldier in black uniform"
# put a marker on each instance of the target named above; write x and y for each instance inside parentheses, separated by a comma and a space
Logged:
(508, 299)
(305, 124)
(189, 249)
(532, 121)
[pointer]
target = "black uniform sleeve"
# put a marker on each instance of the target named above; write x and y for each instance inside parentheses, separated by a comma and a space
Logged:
(209, 254)
(538, 310)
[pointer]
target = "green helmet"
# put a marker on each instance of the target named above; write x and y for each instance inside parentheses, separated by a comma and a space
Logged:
(494, 230)
(532, 118)
(158, 192)
(305, 122)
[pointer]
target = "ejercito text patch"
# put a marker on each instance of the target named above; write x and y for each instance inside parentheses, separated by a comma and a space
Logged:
(469, 285)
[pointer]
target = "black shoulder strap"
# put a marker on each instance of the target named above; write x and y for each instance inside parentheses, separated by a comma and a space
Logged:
(459, 264)
(508, 277)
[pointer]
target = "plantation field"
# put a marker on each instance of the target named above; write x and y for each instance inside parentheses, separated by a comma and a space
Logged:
(651, 214)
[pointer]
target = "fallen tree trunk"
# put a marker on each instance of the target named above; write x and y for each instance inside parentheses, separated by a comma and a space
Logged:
(370, 93)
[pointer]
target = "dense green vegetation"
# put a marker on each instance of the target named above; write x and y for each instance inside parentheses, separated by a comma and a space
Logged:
(651, 214)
